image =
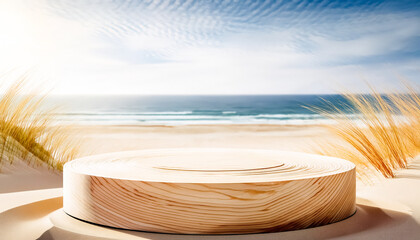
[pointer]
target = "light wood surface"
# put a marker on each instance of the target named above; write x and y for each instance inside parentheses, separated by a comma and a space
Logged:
(209, 191)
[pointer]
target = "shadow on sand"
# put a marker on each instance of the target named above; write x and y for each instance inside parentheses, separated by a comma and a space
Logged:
(369, 222)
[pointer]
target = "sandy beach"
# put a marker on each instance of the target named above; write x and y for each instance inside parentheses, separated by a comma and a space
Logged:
(102, 139)
(30, 196)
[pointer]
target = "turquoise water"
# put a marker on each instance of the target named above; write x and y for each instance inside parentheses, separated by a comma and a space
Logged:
(182, 110)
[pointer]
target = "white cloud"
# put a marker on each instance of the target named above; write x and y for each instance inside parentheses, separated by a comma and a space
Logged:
(234, 71)
(194, 49)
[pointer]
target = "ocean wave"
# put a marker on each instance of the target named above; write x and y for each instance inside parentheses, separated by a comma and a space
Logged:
(289, 116)
(123, 113)
(107, 119)
(165, 113)
(208, 122)
(277, 119)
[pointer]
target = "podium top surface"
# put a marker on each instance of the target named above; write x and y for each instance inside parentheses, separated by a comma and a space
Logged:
(208, 165)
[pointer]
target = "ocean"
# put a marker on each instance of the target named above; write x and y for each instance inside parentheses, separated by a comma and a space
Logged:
(186, 110)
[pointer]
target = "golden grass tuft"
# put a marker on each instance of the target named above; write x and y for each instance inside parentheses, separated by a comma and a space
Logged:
(28, 131)
(383, 137)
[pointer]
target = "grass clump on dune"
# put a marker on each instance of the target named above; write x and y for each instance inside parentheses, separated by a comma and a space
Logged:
(384, 135)
(28, 132)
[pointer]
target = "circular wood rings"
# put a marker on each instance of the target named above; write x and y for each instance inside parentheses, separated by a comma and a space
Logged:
(209, 191)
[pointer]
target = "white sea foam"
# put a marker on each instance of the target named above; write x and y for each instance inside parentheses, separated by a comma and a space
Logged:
(185, 119)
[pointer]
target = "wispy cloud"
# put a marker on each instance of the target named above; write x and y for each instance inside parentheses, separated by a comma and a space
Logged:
(230, 46)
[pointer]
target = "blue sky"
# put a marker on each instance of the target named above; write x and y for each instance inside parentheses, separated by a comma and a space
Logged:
(212, 47)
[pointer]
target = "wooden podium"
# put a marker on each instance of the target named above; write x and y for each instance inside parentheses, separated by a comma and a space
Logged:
(209, 191)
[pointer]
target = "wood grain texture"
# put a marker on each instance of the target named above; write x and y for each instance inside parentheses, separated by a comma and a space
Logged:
(209, 191)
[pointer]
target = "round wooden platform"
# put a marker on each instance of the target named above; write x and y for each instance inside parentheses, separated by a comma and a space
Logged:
(209, 191)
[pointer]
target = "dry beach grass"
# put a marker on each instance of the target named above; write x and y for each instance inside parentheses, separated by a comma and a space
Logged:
(26, 129)
(384, 136)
